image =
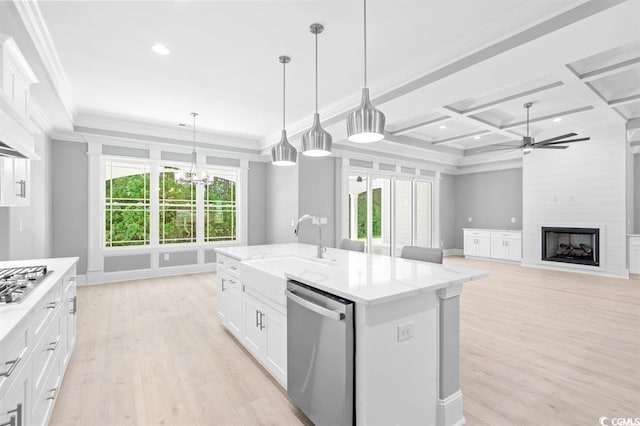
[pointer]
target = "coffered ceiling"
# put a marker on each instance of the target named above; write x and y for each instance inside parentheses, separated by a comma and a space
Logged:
(451, 77)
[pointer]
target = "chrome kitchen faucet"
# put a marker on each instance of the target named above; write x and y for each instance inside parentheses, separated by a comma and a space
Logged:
(316, 221)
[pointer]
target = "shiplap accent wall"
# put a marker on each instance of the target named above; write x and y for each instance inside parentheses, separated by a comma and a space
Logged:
(582, 186)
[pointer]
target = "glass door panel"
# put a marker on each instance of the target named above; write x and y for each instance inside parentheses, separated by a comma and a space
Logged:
(357, 202)
(381, 216)
(423, 214)
(404, 212)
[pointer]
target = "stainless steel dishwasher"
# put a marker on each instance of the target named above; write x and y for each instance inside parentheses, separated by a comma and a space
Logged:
(320, 354)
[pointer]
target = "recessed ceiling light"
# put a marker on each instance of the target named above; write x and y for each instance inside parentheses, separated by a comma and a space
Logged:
(476, 137)
(160, 49)
(557, 119)
(442, 126)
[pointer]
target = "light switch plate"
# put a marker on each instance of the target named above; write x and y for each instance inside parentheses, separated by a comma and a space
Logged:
(166, 257)
(405, 331)
(323, 221)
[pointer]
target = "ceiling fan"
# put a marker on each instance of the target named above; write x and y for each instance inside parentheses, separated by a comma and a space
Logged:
(529, 143)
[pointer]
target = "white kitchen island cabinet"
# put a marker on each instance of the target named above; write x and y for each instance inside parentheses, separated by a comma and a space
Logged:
(37, 337)
(406, 324)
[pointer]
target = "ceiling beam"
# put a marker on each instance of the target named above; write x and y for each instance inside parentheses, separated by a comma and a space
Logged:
(624, 101)
(548, 117)
(571, 78)
(419, 143)
(482, 123)
(408, 126)
(460, 137)
(610, 70)
(526, 93)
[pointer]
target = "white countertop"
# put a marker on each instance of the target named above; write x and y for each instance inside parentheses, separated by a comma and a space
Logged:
(12, 315)
(363, 278)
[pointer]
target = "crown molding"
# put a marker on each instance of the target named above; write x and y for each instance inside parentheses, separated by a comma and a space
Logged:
(8, 44)
(37, 28)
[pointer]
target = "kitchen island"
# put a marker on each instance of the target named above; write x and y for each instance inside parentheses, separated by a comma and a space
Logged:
(406, 323)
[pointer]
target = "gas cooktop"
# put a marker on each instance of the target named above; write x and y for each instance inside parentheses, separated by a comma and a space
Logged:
(17, 283)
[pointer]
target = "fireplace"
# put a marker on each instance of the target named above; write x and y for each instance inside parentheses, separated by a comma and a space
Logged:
(580, 246)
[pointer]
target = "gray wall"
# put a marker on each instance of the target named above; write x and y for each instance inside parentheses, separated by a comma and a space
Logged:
(282, 203)
(257, 203)
(317, 197)
(490, 198)
(636, 193)
(70, 175)
(448, 212)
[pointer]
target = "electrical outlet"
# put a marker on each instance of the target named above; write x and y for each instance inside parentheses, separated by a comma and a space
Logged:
(166, 257)
(323, 221)
(470, 219)
(513, 220)
(405, 331)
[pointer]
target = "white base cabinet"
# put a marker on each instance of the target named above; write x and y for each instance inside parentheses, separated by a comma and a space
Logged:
(35, 354)
(494, 244)
(257, 321)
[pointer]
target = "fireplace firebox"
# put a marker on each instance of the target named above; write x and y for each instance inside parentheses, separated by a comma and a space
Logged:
(580, 246)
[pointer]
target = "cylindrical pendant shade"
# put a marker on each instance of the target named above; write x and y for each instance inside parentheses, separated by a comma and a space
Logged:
(365, 124)
(284, 154)
(316, 142)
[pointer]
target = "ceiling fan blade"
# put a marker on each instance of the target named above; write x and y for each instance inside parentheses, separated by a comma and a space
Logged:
(552, 147)
(558, 138)
(559, 142)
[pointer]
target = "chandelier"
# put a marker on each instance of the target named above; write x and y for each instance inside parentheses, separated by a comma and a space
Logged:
(192, 176)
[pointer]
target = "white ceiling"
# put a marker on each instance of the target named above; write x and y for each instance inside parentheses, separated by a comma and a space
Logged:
(466, 64)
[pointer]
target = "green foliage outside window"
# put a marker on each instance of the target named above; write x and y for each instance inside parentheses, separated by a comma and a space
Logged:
(127, 210)
(376, 224)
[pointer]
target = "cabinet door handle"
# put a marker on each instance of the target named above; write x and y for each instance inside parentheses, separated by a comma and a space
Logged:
(257, 313)
(262, 326)
(18, 416)
(14, 364)
(53, 395)
(233, 268)
(11, 422)
(53, 346)
(52, 305)
(222, 283)
(74, 301)
(23, 189)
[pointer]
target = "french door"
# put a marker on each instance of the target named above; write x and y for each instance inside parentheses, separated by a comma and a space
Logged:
(388, 212)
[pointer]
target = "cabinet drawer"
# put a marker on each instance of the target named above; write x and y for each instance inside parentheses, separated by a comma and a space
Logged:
(44, 311)
(507, 235)
(43, 403)
(46, 352)
(13, 355)
(472, 233)
(233, 267)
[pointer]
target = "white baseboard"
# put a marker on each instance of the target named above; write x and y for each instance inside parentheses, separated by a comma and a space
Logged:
(100, 277)
(453, 252)
(449, 411)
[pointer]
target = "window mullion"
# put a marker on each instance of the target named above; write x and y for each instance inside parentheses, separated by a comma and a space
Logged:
(154, 204)
(200, 193)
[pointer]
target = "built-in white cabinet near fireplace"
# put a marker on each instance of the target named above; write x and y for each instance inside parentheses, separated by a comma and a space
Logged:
(634, 254)
(493, 243)
(477, 242)
(506, 245)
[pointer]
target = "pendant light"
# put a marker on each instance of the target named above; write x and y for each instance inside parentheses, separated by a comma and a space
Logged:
(365, 124)
(284, 154)
(316, 142)
(191, 176)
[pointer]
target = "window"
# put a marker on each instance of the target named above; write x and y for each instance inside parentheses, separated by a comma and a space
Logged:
(177, 205)
(126, 204)
(220, 207)
(136, 214)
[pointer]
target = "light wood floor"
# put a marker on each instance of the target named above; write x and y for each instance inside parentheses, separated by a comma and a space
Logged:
(537, 347)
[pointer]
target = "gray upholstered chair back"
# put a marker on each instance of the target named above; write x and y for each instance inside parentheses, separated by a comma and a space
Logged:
(352, 245)
(425, 254)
